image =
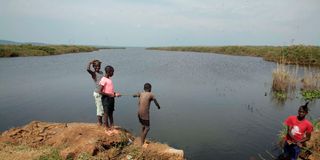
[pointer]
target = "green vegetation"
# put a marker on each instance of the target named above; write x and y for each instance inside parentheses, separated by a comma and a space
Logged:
(84, 156)
(310, 80)
(310, 88)
(316, 124)
(31, 50)
(284, 81)
(15, 151)
(310, 94)
(296, 54)
(53, 154)
(280, 95)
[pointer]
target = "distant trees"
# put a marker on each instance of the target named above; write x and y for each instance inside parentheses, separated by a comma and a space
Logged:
(295, 54)
(31, 50)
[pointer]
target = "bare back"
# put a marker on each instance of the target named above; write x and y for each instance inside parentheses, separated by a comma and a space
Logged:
(145, 99)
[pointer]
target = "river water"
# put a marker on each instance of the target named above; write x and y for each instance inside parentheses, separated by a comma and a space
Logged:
(213, 106)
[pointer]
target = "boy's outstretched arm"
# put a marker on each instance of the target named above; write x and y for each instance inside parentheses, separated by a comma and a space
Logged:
(156, 103)
(136, 95)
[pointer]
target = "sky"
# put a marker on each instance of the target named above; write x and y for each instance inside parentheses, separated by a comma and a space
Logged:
(151, 23)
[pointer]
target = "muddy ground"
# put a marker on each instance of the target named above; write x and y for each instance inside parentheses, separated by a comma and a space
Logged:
(37, 140)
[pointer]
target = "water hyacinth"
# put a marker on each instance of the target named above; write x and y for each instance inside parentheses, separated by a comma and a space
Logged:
(310, 88)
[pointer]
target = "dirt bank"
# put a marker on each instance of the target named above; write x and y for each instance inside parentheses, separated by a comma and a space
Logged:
(38, 140)
(314, 143)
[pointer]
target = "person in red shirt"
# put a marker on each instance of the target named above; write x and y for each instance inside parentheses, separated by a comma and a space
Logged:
(298, 132)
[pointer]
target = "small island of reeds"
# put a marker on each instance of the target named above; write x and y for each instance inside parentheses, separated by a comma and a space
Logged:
(295, 54)
(25, 50)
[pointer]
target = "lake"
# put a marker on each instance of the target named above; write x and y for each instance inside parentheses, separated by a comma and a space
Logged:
(212, 106)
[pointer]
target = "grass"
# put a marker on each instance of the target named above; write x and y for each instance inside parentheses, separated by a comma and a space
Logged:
(24, 152)
(84, 156)
(295, 54)
(31, 50)
(310, 88)
(310, 80)
(284, 81)
(53, 154)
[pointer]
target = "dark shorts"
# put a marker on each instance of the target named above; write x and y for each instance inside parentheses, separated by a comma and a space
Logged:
(144, 122)
(108, 104)
(291, 150)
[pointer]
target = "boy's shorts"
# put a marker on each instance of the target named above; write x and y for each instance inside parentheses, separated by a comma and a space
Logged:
(97, 98)
(144, 122)
(108, 104)
(291, 150)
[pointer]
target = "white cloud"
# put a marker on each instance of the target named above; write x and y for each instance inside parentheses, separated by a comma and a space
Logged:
(149, 19)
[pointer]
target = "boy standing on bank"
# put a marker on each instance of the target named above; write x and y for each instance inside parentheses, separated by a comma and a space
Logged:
(145, 99)
(108, 95)
(96, 76)
(298, 132)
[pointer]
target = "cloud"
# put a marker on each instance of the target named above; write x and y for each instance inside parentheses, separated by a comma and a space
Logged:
(147, 20)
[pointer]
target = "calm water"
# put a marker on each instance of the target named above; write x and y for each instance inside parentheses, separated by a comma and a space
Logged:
(213, 106)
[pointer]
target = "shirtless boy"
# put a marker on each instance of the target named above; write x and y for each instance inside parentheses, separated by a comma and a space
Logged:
(145, 99)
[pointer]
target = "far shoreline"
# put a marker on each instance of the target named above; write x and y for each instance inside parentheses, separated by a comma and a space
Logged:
(295, 54)
(26, 50)
(303, 55)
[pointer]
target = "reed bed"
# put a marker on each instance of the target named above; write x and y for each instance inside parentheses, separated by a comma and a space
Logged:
(284, 78)
(310, 80)
(285, 81)
(310, 88)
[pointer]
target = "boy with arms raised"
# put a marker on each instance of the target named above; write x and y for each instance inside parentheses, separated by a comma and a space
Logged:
(96, 76)
(145, 99)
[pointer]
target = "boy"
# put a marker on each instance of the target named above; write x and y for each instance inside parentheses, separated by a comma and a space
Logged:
(298, 132)
(108, 94)
(145, 99)
(96, 75)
